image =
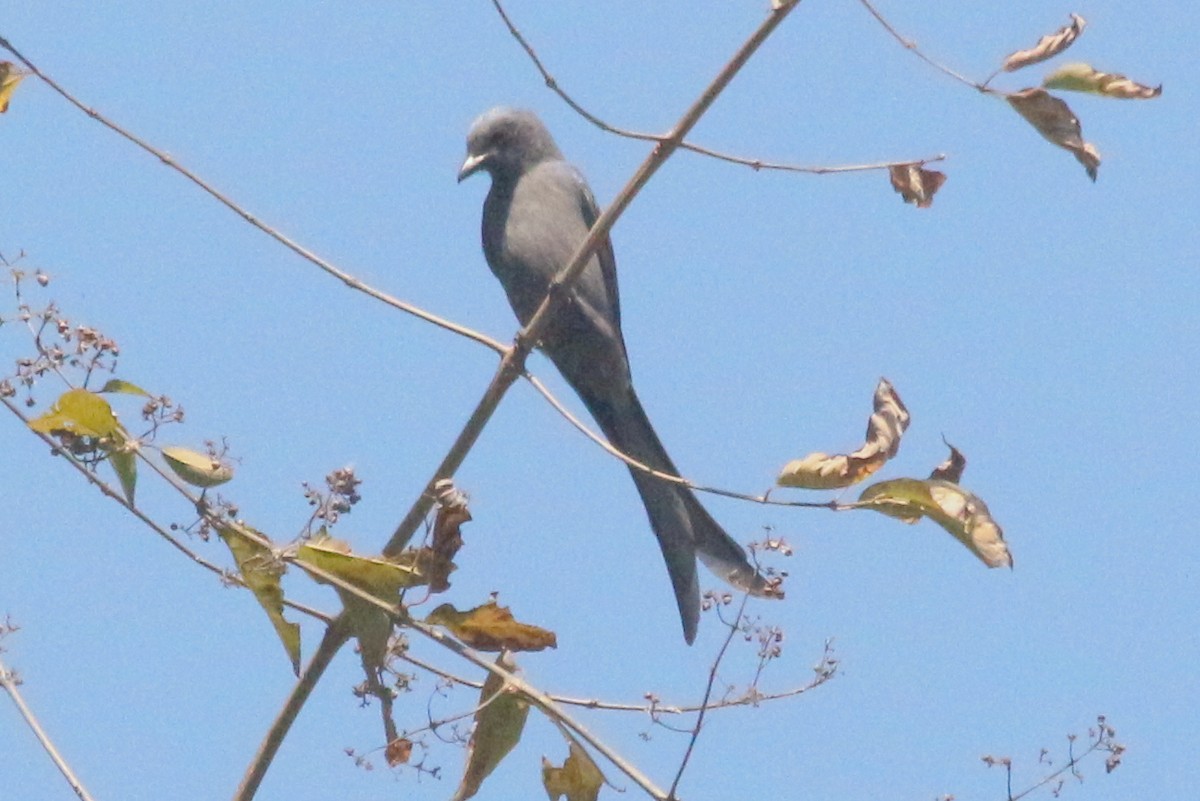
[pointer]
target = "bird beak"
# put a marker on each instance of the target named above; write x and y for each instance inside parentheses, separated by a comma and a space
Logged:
(472, 165)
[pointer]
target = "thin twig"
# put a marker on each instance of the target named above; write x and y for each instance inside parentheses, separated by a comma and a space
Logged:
(110, 492)
(708, 689)
(346, 278)
(670, 478)
(543, 702)
(746, 699)
(9, 683)
(911, 46)
(754, 164)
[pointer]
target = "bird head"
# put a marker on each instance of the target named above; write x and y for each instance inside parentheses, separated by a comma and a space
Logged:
(506, 142)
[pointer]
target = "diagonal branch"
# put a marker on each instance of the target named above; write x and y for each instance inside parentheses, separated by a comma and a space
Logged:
(289, 243)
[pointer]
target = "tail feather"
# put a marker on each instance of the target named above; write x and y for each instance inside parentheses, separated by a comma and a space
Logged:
(683, 527)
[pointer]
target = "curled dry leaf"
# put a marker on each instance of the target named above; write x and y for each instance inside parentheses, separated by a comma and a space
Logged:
(916, 184)
(398, 751)
(1086, 78)
(1054, 120)
(198, 469)
(952, 469)
(950, 506)
(499, 722)
(452, 512)
(1047, 47)
(822, 471)
(491, 627)
(261, 571)
(579, 779)
(10, 76)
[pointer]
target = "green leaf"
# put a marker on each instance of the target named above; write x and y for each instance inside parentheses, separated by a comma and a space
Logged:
(261, 571)
(498, 727)
(381, 577)
(950, 506)
(124, 463)
(1086, 78)
(79, 412)
(117, 385)
(197, 469)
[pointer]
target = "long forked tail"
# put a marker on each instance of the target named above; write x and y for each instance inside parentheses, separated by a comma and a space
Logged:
(683, 527)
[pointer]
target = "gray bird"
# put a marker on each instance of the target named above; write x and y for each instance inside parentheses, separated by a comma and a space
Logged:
(537, 213)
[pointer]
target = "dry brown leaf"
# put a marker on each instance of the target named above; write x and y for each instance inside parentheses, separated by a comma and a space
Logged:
(1054, 120)
(491, 627)
(952, 469)
(398, 751)
(822, 471)
(916, 184)
(499, 722)
(452, 512)
(1086, 78)
(1047, 47)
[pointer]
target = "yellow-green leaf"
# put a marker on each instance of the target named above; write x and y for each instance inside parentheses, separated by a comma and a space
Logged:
(261, 572)
(124, 463)
(961, 513)
(884, 430)
(118, 385)
(381, 577)
(579, 779)
(79, 412)
(10, 76)
(499, 723)
(1086, 78)
(197, 469)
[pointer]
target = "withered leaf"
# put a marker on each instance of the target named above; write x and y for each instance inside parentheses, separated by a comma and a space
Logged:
(1055, 121)
(953, 508)
(1047, 47)
(952, 469)
(398, 751)
(1086, 78)
(884, 429)
(491, 627)
(499, 722)
(452, 512)
(916, 184)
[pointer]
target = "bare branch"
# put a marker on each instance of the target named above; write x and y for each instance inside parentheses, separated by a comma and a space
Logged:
(911, 46)
(338, 273)
(9, 683)
(752, 163)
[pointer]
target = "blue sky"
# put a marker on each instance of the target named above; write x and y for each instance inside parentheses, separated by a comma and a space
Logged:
(1044, 324)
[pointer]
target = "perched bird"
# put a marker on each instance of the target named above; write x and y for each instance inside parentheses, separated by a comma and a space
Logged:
(538, 211)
